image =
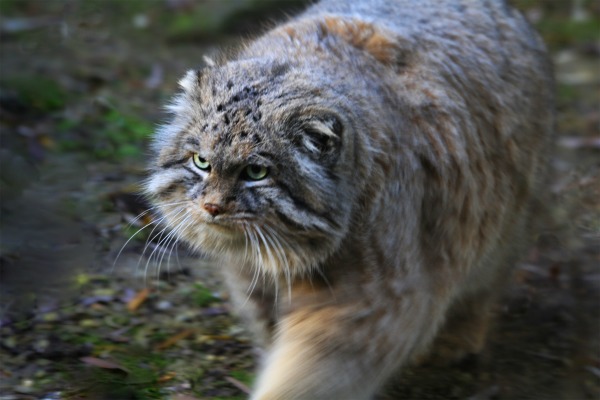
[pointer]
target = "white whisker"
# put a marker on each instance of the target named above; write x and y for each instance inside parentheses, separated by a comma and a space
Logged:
(126, 243)
(271, 235)
(163, 244)
(133, 221)
(139, 230)
(157, 224)
(245, 228)
(174, 245)
(168, 239)
(256, 268)
(274, 273)
(160, 240)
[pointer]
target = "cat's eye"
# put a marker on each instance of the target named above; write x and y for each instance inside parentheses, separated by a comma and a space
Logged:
(200, 162)
(256, 172)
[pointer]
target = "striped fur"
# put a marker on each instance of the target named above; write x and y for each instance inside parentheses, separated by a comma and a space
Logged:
(404, 143)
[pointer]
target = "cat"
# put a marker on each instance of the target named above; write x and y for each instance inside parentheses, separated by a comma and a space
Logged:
(363, 174)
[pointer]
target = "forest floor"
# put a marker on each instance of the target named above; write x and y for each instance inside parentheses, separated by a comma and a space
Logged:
(87, 313)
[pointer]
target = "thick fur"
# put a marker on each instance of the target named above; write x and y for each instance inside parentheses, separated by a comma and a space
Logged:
(404, 142)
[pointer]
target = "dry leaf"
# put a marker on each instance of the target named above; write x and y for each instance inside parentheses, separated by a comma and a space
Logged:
(166, 377)
(101, 363)
(181, 396)
(139, 298)
(238, 384)
(174, 339)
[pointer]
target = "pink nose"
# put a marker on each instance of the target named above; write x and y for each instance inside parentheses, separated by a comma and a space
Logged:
(212, 209)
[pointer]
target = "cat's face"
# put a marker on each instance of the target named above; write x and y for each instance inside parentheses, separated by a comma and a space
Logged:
(253, 165)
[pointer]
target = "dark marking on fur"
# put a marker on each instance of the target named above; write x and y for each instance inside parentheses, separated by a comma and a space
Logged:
(192, 141)
(287, 220)
(172, 188)
(298, 202)
(171, 163)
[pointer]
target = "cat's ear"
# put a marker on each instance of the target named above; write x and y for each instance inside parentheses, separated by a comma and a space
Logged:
(322, 138)
(191, 80)
(190, 85)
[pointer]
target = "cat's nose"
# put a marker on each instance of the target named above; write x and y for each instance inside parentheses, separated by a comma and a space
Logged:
(213, 209)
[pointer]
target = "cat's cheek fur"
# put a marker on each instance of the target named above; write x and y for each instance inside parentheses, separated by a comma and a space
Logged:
(160, 182)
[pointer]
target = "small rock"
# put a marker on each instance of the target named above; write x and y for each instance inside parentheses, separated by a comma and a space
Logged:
(164, 305)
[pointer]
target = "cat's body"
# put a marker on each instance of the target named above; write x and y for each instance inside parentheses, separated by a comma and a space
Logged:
(363, 174)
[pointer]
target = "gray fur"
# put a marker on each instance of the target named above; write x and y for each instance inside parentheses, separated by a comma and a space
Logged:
(404, 142)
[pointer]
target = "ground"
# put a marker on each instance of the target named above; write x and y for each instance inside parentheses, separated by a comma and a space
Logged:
(86, 313)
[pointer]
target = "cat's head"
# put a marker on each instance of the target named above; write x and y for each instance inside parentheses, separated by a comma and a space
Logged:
(256, 162)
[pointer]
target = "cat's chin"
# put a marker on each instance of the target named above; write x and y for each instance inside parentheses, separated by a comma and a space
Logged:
(225, 229)
(219, 235)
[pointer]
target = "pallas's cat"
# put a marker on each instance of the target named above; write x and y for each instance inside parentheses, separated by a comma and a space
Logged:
(363, 175)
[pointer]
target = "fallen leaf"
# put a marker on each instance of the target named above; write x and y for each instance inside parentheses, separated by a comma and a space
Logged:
(166, 377)
(174, 339)
(139, 298)
(101, 363)
(180, 396)
(238, 384)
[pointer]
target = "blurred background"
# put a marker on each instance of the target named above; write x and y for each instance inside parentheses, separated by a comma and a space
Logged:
(97, 302)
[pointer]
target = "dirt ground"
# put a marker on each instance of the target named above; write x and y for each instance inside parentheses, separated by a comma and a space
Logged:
(88, 313)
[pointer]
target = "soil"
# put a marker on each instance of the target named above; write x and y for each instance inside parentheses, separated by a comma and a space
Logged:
(93, 305)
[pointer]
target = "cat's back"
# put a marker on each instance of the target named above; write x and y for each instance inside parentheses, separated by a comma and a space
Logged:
(464, 80)
(447, 25)
(461, 57)
(434, 17)
(377, 159)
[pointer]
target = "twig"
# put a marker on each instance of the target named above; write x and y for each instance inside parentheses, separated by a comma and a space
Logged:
(238, 384)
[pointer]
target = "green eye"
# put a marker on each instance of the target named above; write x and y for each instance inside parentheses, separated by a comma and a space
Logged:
(200, 162)
(256, 172)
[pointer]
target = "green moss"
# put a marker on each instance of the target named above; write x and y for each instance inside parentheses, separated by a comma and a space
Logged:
(124, 134)
(138, 378)
(202, 296)
(113, 135)
(567, 93)
(562, 32)
(12, 7)
(37, 92)
(135, 233)
(198, 22)
(245, 377)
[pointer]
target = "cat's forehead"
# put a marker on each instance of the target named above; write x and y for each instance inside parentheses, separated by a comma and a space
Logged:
(233, 118)
(235, 105)
(242, 71)
(240, 80)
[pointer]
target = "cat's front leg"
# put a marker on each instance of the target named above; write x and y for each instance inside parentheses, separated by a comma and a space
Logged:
(346, 351)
